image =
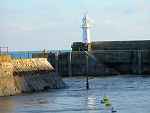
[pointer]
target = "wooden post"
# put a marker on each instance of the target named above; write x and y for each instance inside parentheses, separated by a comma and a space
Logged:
(87, 72)
(87, 67)
(70, 64)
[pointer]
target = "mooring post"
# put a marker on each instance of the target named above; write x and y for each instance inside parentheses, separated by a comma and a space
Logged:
(87, 72)
(70, 64)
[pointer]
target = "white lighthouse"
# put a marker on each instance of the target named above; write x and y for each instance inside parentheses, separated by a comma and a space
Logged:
(86, 25)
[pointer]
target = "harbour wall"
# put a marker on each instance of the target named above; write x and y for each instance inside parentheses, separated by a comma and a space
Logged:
(104, 58)
(7, 82)
(27, 75)
(107, 62)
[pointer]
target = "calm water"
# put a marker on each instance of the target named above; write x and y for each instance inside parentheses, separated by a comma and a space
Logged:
(127, 95)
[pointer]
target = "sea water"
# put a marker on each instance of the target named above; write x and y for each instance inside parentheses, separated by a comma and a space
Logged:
(127, 94)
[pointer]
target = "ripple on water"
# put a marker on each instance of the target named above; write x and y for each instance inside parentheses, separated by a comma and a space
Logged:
(127, 95)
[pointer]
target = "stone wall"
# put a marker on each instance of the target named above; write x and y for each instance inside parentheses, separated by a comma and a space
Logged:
(120, 45)
(103, 62)
(27, 75)
(7, 82)
(97, 65)
(39, 81)
(105, 58)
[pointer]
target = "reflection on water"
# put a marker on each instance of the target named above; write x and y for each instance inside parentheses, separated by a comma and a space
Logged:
(91, 101)
(127, 95)
(6, 105)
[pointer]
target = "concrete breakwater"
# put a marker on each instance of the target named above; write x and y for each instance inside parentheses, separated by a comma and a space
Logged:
(112, 62)
(27, 75)
(104, 58)
(75, 64)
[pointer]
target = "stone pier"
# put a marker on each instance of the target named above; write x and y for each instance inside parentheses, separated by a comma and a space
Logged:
(27, 75)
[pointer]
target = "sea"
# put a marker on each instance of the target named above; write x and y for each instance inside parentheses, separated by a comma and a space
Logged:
(28, 54)
(127, 94)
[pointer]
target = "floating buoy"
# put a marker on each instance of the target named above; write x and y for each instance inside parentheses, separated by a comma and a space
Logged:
(112, 110)
(107, 104)
(105, 99)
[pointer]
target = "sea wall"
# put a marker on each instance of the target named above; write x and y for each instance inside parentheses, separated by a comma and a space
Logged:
(27, 75)
(104, 58)
(32, 82)
(7, 82)
(75, 64)
(120, 45)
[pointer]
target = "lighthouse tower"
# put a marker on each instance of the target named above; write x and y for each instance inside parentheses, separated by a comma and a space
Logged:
(85, 45)
(86, 29)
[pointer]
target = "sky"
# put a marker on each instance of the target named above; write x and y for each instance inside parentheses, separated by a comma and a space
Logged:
(55, 24)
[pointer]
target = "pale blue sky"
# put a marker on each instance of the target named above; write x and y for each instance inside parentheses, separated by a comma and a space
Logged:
(55, 24)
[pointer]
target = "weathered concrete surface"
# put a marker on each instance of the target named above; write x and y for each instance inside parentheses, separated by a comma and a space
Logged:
(27, 75)
(120, 45)
(111, 58)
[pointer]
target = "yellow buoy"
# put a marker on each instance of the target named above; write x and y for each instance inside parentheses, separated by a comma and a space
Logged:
(105, 99)
(107, 104)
